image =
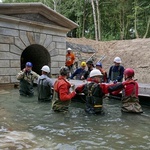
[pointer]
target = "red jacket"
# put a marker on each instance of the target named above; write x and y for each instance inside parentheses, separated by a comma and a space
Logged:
(129, 87)
(103, 86)
(62, 87)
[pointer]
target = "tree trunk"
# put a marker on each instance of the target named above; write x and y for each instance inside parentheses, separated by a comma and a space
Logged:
(135, 19)
(98, 20)
(84, 18)
(147, 28)
(123, 22)
(83, 26)
(94, 17)
(122, 26)
(55, 5)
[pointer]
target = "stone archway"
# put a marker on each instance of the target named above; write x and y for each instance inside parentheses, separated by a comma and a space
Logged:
(36, 54)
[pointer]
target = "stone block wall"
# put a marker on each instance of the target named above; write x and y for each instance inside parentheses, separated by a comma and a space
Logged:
(16, 37)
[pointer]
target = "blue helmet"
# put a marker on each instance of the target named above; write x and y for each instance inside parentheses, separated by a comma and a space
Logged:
(99, 64)
(29, 64)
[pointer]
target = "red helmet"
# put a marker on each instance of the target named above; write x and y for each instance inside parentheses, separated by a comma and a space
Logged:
(129, 72)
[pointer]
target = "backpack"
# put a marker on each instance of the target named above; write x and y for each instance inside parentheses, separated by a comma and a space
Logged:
(94, 96)
(44, 91)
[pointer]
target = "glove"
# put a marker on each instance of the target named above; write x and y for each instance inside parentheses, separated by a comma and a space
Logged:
(73, 87)
(82, 77)
(115, 81)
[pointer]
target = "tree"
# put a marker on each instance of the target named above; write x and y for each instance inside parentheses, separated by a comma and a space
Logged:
(95, 20)
(98, 20)
(140, 16)
(147, 27)
(136, 7)
(103, 19)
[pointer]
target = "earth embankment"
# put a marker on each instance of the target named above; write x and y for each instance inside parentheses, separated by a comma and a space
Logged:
(134, 53)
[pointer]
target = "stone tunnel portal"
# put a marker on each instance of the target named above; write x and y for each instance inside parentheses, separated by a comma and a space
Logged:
(38, 55)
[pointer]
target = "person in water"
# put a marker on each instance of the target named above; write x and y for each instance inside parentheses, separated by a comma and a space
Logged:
(95, 91)
(62, 95)
(79, 72)
(130, 100)
(44, 85)
(116, 71)
(26, 78)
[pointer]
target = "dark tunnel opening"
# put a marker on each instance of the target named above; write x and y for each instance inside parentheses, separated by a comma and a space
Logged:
(36, 54)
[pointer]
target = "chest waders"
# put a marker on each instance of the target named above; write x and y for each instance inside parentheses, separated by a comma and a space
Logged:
(26, 85)
(131, 103)
(44, 90)
(94, 98)
(58, 105)
(114, 75)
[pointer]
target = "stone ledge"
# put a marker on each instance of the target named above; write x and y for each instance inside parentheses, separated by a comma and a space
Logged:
(4, 86)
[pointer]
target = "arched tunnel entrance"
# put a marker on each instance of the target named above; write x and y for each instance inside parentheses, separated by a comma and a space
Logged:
(36, 54)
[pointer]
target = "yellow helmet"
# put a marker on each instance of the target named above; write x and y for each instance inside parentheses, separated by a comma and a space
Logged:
(83, 64)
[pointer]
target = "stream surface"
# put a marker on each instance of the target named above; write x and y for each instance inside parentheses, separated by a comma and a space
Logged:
(26, 124)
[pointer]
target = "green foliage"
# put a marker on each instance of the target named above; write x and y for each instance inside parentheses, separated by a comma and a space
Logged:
(119, 18)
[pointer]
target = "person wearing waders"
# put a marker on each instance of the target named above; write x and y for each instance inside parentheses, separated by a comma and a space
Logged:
(116, 71)
(45, 85)
(130, 100)
(104, 73)
(26, 78)
(90, 67)
(95, 91)
(79, 72)
(62, 95)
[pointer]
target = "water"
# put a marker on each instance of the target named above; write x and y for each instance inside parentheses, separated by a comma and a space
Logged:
(27, 124)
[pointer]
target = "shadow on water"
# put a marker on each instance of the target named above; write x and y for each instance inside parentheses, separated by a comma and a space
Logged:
(27, 124)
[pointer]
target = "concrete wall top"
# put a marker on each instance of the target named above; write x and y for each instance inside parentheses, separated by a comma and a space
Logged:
(37, 8)
(16, 23)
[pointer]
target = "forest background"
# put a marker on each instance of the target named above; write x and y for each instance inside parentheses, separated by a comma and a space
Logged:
(112, 27)
(103, 20)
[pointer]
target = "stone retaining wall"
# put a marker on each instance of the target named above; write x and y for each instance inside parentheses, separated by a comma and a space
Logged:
(15, 37)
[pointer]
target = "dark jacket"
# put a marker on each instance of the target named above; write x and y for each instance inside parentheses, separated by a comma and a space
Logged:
(94, 94)
(116, 73)
(44, 88)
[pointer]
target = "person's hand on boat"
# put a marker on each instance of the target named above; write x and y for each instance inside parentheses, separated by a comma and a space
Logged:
(115, 81)
(72, 87)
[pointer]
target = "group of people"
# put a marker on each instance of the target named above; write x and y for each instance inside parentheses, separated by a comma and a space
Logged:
(98, 84)
(95, 91)
(27, 78)
(115, 72)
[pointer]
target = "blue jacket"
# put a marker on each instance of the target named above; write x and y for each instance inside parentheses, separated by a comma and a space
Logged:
(78, 73)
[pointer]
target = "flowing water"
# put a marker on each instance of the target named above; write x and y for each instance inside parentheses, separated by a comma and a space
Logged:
(26, 124)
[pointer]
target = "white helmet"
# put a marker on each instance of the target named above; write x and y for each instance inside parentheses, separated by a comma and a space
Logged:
(117, 60)
(46, 69)
(69, 49)
(95, 72)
